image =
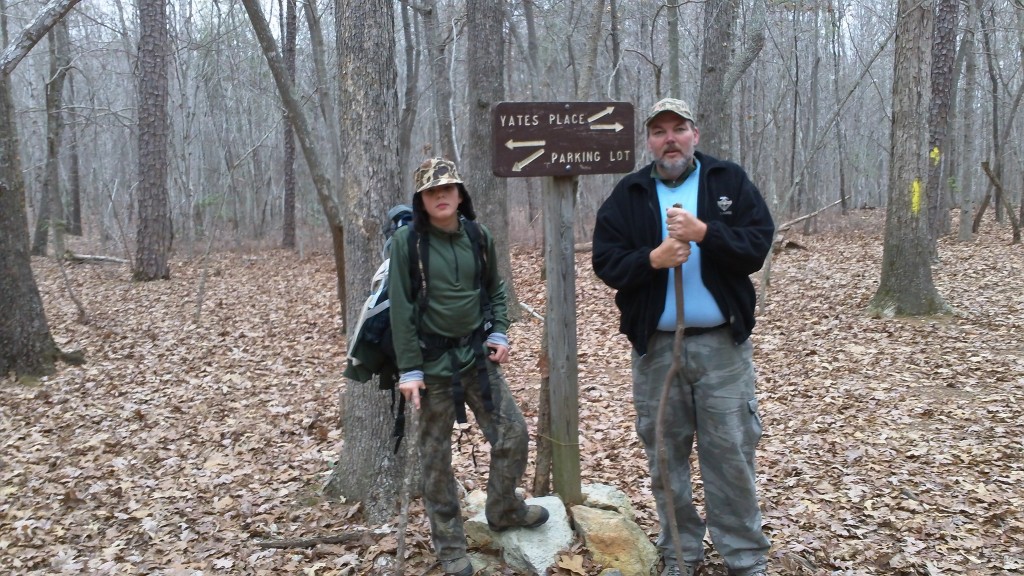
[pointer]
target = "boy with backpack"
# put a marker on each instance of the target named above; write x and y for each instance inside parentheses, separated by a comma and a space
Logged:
(449, 330)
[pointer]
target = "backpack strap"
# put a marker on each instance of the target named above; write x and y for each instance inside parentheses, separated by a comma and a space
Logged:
(476, 237)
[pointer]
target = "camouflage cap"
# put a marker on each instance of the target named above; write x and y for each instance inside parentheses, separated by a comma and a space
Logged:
(680, 108)
(436, 172)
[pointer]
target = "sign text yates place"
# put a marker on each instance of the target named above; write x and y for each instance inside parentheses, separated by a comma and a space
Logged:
(562, 138)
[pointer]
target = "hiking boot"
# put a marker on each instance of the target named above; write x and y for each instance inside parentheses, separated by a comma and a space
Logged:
(458, 567)
(531, 517)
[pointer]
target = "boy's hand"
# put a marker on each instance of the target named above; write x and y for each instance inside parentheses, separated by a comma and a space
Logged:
(498, 353)
(411, 391)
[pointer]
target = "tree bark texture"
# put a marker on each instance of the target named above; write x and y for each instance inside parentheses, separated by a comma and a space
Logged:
(714, 105)
(993, 78)
(33, 33)
(594, 35)
(325, 90)
(410, 108)
(290, 28)
(153, 232)
(906, 287)
(437, 45)
(26, 345)
(675, 84)
(970, 142)
(74, 171)
(943, 56)
(60, 60)
(369, 471)
(486, 88)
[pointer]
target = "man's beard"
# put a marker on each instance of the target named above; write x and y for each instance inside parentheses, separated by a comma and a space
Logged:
(673, 167)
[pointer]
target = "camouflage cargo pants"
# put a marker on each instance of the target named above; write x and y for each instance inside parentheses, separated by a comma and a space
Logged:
(712, 398)
(504, 428)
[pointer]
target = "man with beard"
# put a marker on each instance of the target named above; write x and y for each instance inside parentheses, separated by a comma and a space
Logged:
(693, 213)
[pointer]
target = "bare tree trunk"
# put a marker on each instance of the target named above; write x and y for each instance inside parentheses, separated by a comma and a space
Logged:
(41, 235)
(814, 189)
(371, 473)
(289, 29)
(675, 84)
(834, 30)
(407, 121)
(26, 344)
(997, 150)
(797, 193)
(613, 8)
(154, 233)
(437, 44)
(325, 94)
(486, 19)
(943, 56)
(970, 145)
(906, 287)
(60, 60)
(714, 105)
(532, 47)
(594, 36)
(74, 170)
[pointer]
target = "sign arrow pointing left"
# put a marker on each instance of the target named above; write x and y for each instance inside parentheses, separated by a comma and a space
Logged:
(513, 144)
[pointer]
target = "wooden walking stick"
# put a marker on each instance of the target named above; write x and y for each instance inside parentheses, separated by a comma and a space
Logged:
(412, 460)
(659, 429)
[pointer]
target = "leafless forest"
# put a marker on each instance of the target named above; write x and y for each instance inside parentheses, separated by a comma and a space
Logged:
(811, 115)
(202, 188)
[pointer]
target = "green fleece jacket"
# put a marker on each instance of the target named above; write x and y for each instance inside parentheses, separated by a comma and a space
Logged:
(453, 306)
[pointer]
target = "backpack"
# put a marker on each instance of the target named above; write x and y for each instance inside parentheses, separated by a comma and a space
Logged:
(371, 351)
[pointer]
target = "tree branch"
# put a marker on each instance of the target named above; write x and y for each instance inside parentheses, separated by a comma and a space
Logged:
(787, 225)
(33, 33)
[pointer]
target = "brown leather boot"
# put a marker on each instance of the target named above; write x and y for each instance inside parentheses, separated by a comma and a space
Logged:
(531, 517)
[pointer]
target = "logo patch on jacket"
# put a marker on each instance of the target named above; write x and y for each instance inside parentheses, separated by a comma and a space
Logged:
(724, 203)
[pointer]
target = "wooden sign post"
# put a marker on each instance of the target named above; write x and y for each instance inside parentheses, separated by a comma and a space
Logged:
(562, 140)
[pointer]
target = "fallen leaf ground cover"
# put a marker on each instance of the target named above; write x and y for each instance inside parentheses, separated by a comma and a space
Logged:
(891, 446)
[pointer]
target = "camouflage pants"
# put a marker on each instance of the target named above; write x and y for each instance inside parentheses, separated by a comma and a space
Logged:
(712, 398)
(504, 428)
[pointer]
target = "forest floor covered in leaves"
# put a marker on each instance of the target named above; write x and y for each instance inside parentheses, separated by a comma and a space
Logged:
(891, 446)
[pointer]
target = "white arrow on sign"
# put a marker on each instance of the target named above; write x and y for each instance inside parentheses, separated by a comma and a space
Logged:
(616, 127)
(601, 114)
(513, 144)
(518, 166)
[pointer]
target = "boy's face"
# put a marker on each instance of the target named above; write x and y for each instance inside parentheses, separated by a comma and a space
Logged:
(442, 204)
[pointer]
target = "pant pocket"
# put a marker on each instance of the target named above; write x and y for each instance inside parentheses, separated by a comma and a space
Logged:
(756, 427)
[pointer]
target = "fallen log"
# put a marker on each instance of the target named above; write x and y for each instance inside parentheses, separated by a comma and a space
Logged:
(85, 258)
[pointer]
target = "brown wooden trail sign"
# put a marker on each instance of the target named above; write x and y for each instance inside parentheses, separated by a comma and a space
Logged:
(562, 138)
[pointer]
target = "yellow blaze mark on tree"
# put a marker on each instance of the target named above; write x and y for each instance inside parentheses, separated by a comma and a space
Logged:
(915, 196)
(935, 156)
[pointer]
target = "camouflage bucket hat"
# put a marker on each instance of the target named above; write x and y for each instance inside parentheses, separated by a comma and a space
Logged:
(678, 107)
(436, 172)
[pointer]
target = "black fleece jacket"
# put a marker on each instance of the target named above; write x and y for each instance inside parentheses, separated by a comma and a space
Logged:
(739, 236)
